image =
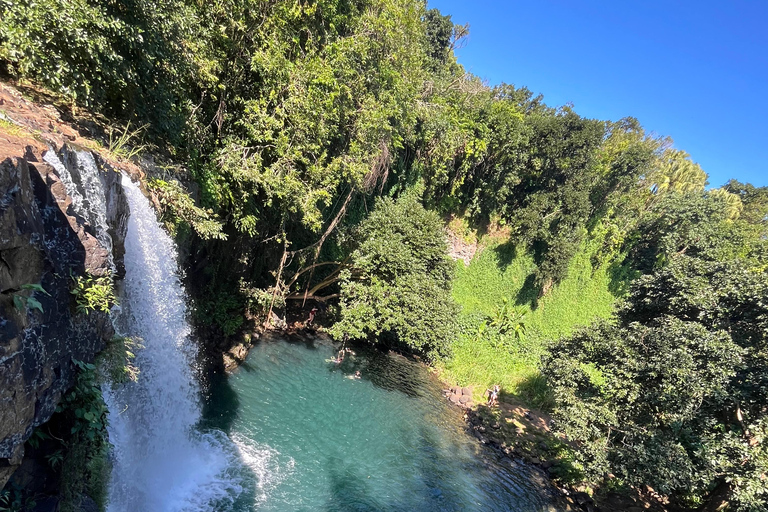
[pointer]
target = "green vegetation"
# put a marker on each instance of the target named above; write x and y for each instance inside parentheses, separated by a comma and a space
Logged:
(115, 364)
(484, 355)
(125, 145)
(84, 467)
(180, 212)
(325, 138)
(93, 293)
(13, 499)
(23, 302)
(673, 393)
(397, 287)
(74, 446)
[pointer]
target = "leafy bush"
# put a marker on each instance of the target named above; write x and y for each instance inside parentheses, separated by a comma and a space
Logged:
(115, 364)
(126, 58)
(673, 393)
(84, 468)
(398, 288)
(259, 300)
(22, 302)
(93, 293)
(179, 207)
(220, 308)
(14, 499)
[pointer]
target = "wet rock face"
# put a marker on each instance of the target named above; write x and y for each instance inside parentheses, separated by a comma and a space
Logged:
(44, 242)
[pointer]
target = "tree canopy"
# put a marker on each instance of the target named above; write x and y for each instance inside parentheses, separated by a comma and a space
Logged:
(322, 144)
(673, 392)
(397, 287)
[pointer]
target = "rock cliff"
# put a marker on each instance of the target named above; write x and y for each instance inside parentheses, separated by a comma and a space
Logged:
(44, 242)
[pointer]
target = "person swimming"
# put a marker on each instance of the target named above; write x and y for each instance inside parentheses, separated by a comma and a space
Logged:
(339, 357)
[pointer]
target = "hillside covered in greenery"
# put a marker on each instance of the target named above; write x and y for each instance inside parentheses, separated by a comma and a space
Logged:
(315, 151)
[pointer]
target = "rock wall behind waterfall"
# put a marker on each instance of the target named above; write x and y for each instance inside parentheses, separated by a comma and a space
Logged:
(45, 241)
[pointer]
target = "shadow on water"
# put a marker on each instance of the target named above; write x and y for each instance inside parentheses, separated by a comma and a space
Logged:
(308, 339)
(349, 491)
(429, 487)
(220, 401)
(219, 412)
(433, 485)
(388, 371)
(310, 439)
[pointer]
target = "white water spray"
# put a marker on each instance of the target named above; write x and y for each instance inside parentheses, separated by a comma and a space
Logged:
(87, 193)
(162, 463)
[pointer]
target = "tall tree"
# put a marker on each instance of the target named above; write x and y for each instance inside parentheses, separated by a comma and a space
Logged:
(397, 289)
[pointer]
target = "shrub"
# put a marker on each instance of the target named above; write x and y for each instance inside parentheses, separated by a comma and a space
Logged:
(397, 290)
(84, 468)
(93, 293)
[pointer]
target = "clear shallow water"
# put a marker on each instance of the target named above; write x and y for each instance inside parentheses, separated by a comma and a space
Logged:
(310, 438)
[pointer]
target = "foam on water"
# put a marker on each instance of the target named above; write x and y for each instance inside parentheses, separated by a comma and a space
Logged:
(262, 461)
(161, 462)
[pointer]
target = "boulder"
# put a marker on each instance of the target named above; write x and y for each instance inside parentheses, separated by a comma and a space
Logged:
(582, 498)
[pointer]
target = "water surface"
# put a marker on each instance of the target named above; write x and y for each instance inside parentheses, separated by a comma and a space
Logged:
(311, 438)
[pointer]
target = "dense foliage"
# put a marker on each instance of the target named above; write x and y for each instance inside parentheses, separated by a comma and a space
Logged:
(673, 393)
(397, 286)
(289, 111)
(324, 139)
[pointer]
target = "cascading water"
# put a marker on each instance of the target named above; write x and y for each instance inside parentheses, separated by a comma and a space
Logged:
(161, 463)
(87, 193)
(302, 435)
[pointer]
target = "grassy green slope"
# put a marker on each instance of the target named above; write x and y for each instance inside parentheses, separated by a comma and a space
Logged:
(499, 272)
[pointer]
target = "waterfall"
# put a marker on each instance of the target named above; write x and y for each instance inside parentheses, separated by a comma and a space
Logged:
(87, 193)
(161, 462)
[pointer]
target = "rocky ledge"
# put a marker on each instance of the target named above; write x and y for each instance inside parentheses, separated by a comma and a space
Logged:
(44, 243)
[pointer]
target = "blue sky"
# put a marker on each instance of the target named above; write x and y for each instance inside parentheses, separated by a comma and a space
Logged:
(693, 70)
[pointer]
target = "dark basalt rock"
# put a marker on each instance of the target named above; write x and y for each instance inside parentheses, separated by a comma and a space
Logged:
(44, 242)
